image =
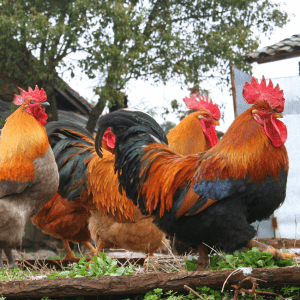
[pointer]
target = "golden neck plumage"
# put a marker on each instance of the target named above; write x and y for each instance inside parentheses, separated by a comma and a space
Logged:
(187, 137)
(23, 139)
(244, 150)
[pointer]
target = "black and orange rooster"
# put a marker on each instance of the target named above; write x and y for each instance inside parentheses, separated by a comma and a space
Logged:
(90, 183)
(197, 131)
(210, 198)
(68, 220)
(28, 171)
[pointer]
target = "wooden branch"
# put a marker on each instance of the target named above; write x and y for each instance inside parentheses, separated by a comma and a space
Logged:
(280, 243)
(233, 92)
(140, 284)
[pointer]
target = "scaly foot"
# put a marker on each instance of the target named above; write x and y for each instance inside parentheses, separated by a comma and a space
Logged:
(203, 261)
(10, 258)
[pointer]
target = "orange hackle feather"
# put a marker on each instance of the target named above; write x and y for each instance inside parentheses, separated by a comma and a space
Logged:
(233, 158)
(23, 139)
(187, 137)
(103, 184)
(173, 171)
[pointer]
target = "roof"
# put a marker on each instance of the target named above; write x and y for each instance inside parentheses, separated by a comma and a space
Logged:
(79, 103)
(284, 49)
(63, 115)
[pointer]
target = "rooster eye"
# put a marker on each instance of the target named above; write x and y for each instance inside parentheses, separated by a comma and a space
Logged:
(31, 102)
(263, 109)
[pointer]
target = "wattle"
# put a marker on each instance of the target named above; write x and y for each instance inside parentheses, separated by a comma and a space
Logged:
(276, 131)
(209, 130)
(39, 113)
(109, 138)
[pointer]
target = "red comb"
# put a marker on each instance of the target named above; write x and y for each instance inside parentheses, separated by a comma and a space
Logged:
(37, 95)
(254, 91)
(203, 104)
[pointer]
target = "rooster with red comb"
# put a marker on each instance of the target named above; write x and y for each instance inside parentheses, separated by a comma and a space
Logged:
(28, 171)
(197, 131)
(213, 197)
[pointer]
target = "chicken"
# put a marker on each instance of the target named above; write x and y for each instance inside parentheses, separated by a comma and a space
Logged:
(89, 182)
(196, 132)
(210, 198)
(28, 171)
(68, 220)
(65, 220)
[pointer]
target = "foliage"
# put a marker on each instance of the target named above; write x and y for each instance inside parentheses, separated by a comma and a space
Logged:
(101, 266)
(16, 274)
(187, 41)
(251, 258)
(12, 108)
(36, 37)
(293, 292)
(208, 293)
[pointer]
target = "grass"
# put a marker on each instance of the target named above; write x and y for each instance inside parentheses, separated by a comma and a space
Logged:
(103, 265)
(251, 258)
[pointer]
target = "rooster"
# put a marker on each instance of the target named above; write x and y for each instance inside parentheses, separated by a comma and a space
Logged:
(28, 171)
(65, 220)
(196, 132)
(89, 182)
(210, 198)
(68, 220)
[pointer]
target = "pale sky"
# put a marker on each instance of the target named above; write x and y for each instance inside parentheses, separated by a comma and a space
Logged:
(144, 94)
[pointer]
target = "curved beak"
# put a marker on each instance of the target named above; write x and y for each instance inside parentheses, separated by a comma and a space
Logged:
(216, 122)
(278, 115)
(45, 104)
(255, 111)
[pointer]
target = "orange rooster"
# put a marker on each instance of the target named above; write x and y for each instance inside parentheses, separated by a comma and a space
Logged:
(28, 171)
(65, 220)
(89, 182)
(213, 197)
(68, 220)
(196, 132)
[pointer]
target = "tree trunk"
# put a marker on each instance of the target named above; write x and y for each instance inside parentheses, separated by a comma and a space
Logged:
(52, 109)
(95, 113)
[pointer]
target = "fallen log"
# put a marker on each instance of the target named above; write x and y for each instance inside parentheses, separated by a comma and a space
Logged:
(280, 243)
(140, 284)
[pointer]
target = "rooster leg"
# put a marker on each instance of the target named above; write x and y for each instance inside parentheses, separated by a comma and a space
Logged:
(100, 245)
(10, 258)
(276, 253)
(147, 259)
(203, 261)
(90, 247)
(69, 253)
